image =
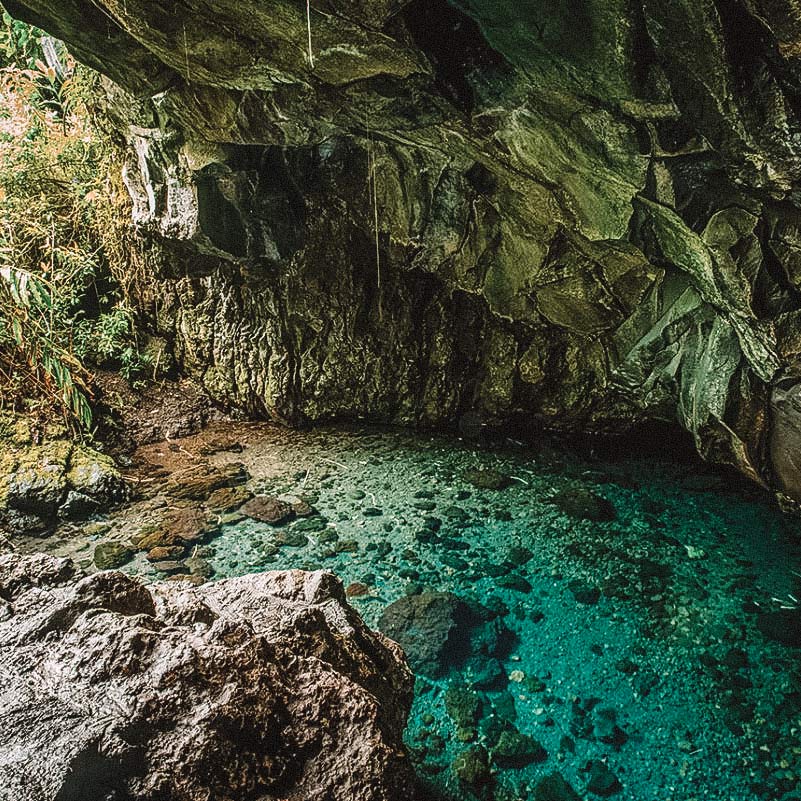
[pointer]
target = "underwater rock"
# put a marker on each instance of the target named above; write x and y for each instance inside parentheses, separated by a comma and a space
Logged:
(583, 504)
(602, 781)
(198, 481)
(463, 706)
(487, 479)
(472, 769)
(439, 631)
(111, 555)
(177, 525)
(425, 626)
(227, 499)
(554, 788)
(781, 625)
(516, 750)
(269, 510)
(290, 676)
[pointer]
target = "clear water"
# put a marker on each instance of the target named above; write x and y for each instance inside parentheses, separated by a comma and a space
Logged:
(646, 622)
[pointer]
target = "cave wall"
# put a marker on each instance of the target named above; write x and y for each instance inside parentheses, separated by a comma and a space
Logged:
(580, 215)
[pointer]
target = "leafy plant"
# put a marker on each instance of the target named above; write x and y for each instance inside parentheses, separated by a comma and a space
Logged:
(19, 43)
(62, 239)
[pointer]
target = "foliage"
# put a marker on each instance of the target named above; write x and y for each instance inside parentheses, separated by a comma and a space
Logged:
(61, 310)
(19, 43)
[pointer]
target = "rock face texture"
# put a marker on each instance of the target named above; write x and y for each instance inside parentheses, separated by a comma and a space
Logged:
(263, 687)
(40, 483)
(573, 214)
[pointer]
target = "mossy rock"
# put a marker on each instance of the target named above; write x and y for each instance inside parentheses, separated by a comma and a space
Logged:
(95, 474)
(516, 750)
(463, 707)
(33, 478)
(472, 768)
(112, 555)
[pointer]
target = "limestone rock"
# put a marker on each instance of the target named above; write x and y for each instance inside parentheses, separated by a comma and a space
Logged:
(588, 214)
(268, 684)
(56, 478)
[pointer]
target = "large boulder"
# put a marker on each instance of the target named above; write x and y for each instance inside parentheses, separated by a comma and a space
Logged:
(262, 687)
(58, 478)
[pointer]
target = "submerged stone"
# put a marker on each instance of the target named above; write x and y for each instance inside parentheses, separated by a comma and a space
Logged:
(602, 781)
(781, 625)
(554, 788)
(516, 750)
(583, 504)
(440, 630)
(111, 555)
(269, 509)
(472, 768)
(487, 479)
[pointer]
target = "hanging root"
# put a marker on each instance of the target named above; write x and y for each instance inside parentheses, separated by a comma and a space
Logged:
(373, 188)
(308, 26)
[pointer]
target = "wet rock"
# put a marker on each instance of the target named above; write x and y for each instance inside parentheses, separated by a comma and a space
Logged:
(601, 780)
(356, 589)
(583, 504)
(311, 525)
(519, 555)
(56, 478)
(303, 509)
(514, 582)
(170, 567)
(77, 506)
(268, 509)
(34, 480)
(199, 567)
(554, 788)
(584, 593)
(325, 687)
(95, 475)
(516, 750)
(487, 479)
(290, 538)
(163, 553)
(111, 555)
(227, 499)
(199, 480)
(605, 727)
(180, 525)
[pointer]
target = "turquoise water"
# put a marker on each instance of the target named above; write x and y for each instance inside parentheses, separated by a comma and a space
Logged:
(620, 651)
